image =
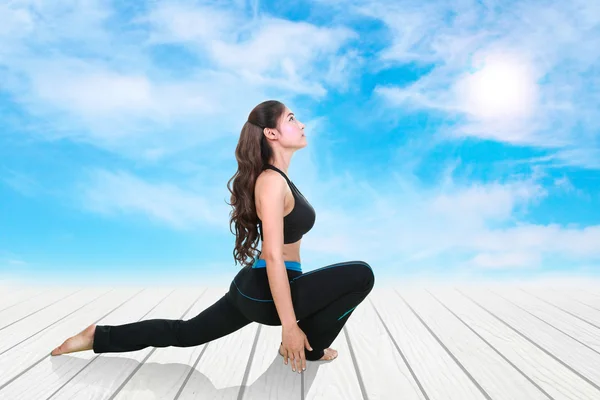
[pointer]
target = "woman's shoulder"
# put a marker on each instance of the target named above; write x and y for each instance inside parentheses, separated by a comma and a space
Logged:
(270, 183)
(269, 177)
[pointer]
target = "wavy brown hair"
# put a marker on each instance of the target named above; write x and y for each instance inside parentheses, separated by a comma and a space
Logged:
(252, 153)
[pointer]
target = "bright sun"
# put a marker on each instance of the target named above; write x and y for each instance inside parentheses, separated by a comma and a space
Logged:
(503, 88)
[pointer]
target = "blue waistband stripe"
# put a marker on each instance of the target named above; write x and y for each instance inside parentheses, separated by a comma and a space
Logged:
(293, 265)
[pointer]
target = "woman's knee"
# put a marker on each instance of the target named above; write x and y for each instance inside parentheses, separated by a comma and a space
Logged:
(365, 276)
(369, 276)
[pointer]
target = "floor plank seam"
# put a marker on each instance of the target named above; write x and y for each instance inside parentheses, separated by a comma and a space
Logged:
(37, 311)
(249, 363)
(562, 309)
(527, 377)
(141, 363)
(48, 355)
(564, 364)
(549, 324)
(192, 369)
(576, 299)
(98, 356)
(48, 326)
(25, 299)
(412, 372)
(447, 350)
(361, 384)
(528, 324)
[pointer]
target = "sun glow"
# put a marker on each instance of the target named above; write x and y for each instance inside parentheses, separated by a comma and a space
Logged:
(504, 87)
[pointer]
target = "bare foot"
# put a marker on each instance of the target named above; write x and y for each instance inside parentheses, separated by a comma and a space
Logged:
(329, 353)
(82, 341)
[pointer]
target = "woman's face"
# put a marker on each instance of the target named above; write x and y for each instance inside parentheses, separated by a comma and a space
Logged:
(292, 130)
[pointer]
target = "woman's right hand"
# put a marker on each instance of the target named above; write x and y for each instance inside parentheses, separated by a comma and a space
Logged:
(293, 341)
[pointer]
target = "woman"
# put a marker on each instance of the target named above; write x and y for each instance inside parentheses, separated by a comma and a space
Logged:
(310, 307)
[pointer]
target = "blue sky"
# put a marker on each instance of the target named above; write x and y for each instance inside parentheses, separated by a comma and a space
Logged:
(445, 140)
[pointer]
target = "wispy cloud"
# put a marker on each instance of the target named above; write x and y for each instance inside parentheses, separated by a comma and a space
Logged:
(21, 182)
(10, 259)
(193, 203)
(514, 72)
(506, 260)
(405, 226)
(167, 86)
(109, 85)
(121, 193)
(277, 52)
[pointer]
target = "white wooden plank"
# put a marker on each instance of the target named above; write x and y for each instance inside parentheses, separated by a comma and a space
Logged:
(168, 370)
(583, 295)
(220, 371)
(382, 368)
(16, 333)
(496, 377)
(335, 379)
(574, 355)
(567, 305)
(269, 377)
(53, 373)
(544, 370)
(36, 350)
(584, 290)
(371, 352)
(30, 307)
(440, 377)
(591, 292)
(552, 316)
(103, 375)
(590, 299)
(11, 296)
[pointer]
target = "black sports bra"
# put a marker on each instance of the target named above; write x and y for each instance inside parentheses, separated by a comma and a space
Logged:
(300, 220)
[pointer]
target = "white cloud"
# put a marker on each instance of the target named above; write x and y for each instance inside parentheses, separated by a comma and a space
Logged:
(11, 259)
(564, 183)
(189, 204)
(404, 226)
(192, 24)
(16, 262)
(273, 51)
(91, 91)
(121, 193)
(551, 97)
(95, 93)
(564, 186)
(548, 239)
(484, 202)
(21, 182)
(398, 225)
(107, 84)
(506, 260)
(583, 157)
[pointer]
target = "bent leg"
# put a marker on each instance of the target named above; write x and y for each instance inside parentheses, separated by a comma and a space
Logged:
(218, 320)
(325, 298)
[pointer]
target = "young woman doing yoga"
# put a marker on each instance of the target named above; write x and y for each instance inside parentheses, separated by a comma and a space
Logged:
(270, 288)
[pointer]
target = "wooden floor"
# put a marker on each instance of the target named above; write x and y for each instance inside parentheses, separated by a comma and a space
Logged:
(461, 342)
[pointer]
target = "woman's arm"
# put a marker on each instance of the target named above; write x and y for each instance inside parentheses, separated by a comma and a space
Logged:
(270, 199)
(280, 289)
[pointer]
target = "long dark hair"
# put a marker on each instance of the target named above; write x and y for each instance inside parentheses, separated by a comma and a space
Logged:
(252, 153)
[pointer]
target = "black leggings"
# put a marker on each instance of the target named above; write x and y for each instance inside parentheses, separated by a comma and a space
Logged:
(323, 300)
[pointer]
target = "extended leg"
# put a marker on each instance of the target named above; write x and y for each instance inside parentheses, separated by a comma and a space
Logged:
(218, 320)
